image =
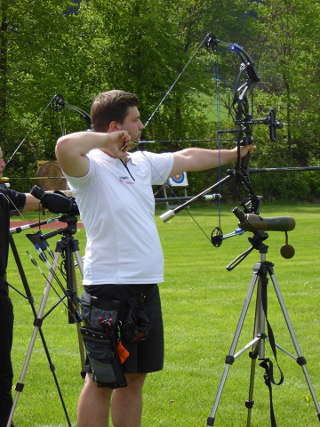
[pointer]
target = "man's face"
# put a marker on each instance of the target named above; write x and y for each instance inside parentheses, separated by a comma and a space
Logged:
(132, 123)
(2, 163)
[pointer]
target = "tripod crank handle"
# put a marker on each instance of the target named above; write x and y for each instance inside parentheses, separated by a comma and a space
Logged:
(233, 264)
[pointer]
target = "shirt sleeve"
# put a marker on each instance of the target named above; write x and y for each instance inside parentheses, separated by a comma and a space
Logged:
(75, 182)
(161, 166)
(15, 198)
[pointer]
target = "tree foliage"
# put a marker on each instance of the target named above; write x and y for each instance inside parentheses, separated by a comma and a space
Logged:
(79, 48)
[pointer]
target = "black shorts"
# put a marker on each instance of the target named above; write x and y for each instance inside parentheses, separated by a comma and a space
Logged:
(145, 356)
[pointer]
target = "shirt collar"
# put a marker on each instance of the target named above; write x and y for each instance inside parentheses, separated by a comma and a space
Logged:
(111, 159)
(131, 159)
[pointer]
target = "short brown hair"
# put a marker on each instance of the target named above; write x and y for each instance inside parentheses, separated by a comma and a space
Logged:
(111, 106)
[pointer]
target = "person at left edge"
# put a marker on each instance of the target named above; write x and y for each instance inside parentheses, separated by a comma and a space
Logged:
(10, 200)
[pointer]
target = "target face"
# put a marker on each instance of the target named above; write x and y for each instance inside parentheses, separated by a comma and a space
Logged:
(179, 179)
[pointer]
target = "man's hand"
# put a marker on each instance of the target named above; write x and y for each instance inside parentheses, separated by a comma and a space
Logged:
(117, 144)
(245, 149)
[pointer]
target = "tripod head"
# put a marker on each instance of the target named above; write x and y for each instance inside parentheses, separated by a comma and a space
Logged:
(259, 225)
(71, 228)
(256, 243)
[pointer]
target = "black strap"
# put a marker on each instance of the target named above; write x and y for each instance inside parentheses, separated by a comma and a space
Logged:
(272, 340)
(269, 380)
(266, 363)
(274, 350)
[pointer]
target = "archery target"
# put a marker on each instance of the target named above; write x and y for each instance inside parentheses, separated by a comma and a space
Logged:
(179, 180)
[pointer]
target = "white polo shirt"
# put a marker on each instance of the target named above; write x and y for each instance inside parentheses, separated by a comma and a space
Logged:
(117, 208)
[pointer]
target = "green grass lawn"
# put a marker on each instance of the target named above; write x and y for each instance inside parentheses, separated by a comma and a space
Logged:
(201, 303)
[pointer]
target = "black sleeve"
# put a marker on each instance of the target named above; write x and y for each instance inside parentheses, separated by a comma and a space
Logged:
(4, 237)
(10, 200)
(15, 198)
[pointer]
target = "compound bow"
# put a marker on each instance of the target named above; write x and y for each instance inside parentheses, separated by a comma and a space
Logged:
(246, 79)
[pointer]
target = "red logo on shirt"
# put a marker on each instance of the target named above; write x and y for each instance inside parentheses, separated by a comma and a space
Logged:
(126, 180)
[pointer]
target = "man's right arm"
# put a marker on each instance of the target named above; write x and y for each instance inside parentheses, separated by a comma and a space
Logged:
(71, 150)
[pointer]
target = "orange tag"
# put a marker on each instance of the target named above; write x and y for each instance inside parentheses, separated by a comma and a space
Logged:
(122, 352)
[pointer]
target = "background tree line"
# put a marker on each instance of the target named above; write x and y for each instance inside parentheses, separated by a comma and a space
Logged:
(81, 47)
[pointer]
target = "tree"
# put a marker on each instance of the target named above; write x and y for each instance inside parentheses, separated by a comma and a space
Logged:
(288, 68)
(3, 67)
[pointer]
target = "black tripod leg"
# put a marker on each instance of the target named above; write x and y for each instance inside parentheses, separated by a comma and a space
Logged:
(230, 358)
(300, 359)
(79, 335)
(72, 251)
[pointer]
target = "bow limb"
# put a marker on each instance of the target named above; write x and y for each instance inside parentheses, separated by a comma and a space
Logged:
(28, 133)
(202, 43)
(57, 103)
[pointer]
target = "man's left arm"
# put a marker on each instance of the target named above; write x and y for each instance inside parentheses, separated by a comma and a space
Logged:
(198, 159)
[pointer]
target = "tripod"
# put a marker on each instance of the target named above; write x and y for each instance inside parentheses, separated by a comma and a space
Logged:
(67, 247)
(261, 271)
